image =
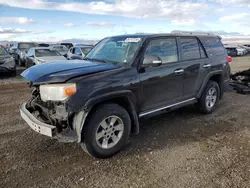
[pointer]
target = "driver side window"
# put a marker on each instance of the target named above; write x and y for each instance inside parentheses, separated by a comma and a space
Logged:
(165, 48)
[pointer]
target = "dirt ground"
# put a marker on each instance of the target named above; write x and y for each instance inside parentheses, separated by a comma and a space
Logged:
(178, 149)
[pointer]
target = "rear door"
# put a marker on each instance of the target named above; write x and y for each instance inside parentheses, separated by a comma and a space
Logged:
(193, 60)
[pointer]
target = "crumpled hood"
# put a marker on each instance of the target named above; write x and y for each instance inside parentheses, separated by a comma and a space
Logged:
(51, 58)
(62, 71)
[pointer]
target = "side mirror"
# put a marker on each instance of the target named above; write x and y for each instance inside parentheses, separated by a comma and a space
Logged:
(151, 61)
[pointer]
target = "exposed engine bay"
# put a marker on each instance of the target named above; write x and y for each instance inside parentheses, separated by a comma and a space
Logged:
(50, 112)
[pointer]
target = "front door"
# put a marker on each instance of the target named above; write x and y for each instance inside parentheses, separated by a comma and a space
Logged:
(162, 85)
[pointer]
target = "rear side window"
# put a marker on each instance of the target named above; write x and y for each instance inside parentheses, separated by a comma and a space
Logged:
(165, 48)
(191, 49)
(214, 46)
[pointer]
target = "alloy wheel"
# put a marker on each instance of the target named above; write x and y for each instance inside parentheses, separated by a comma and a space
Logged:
(211, 97)
(109, 132)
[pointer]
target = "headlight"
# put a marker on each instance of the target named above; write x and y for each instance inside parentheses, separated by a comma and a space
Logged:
(57, 92)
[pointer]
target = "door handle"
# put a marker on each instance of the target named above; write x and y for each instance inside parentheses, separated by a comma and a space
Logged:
(179, 71)
(207, 66)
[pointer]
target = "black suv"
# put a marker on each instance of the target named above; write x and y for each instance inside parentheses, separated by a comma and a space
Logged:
(98, 101)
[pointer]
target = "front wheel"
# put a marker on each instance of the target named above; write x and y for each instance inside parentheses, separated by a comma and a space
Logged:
(107, 131)
(210, 97)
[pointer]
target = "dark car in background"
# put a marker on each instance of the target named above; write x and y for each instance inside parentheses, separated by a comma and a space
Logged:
(78, 52)
(98, 101)
(67, 44)
(232, 51)
(7, 63)
(19, 51)
(43, 45)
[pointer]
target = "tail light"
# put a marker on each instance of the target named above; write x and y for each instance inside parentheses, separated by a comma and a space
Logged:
(229, 59)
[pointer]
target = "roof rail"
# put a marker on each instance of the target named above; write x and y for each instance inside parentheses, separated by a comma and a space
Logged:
(193, 33)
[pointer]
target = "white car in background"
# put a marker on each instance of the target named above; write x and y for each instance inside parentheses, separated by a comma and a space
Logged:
(241, 51)
(247, 47)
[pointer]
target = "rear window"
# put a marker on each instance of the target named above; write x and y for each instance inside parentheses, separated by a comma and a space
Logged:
(86, 50)
(26, 46)
(213, 45)
(191, 49)
(46, 52)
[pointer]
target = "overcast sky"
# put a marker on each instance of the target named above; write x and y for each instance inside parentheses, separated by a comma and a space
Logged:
(54, 20)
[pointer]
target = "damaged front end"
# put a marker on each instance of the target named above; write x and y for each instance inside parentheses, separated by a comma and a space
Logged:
(240, 82)
(49, 118)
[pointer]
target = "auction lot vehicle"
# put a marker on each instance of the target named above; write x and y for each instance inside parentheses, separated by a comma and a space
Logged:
(7, 63)
(98, 101)
(232, 51)
(19, 51)
(61, 49)
(241, 51)
(67, 44)
(78, 52)
(39, 55)
(247, 46)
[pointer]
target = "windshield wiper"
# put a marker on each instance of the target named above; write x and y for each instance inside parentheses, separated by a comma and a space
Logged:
(94, 59)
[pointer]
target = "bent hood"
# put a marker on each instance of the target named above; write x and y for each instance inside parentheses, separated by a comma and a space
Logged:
(62, 71)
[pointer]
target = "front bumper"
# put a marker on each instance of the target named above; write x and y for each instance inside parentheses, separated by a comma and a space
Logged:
(35, 124)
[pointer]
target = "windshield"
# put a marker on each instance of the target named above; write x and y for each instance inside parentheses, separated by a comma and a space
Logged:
(26, 46)
(60, 48)
(86, 50)
(116, 49)
(2, 51)
(46, 52)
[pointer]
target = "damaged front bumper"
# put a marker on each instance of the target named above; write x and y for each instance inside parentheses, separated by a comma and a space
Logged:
(62, 135)
(35, 124)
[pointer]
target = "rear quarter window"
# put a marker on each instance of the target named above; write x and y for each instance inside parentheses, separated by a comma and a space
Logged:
(191, 48)
(213, 45)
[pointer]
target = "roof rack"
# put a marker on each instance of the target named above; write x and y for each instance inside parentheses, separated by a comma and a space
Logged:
(192, 32)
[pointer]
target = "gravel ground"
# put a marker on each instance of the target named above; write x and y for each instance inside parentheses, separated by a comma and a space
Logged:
(178, 149)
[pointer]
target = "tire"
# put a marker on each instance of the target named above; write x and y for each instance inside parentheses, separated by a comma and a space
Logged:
(111, 140)
(208, 98)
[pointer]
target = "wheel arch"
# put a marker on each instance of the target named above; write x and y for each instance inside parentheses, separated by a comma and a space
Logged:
(216, 76)
(125, 99)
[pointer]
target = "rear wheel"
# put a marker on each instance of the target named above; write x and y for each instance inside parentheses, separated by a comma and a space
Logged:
(210, 97)
(107, 131)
